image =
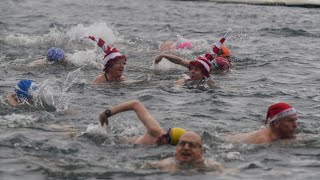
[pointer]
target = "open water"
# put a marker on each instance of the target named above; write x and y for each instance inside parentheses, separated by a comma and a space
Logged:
(276, 58)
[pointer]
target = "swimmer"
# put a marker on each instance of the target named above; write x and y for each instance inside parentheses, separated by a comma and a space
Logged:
(189, 156)
(170, 45)
(154, 134)
(54, 56)
(220, 57)
(113, 63)
(22, 93)
(282, 120)
(199, 73)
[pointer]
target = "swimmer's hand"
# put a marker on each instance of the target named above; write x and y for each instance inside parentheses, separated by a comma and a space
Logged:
(103, 118)
(158, 59)
(100, 42)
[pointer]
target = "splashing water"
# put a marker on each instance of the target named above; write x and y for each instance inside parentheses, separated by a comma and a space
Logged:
(18, 120)
(89, 57)
(100, 29)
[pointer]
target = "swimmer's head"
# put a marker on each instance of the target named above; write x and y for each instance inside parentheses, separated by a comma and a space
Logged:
(279, 111)
(225, 52)
(173, 135)
(111, 57)
(55, 55)
(185, 45)
(203, 64)
(23, 90)
(221, 63)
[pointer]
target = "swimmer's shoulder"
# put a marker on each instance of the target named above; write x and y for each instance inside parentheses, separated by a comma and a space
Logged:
(100, 79)
(168, 164)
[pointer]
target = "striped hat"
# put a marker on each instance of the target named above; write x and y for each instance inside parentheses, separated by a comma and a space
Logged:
(111, 54)
(216, 47)
(203, 63)
(279, 111)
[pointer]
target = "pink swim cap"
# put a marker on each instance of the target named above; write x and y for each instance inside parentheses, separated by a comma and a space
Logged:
(185, 45)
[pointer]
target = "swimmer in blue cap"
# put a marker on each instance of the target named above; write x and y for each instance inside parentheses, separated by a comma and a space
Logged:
(54, 55)
(23, 92)
(154, 134)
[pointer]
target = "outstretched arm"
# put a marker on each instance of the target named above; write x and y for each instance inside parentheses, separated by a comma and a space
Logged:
(153, 127)
(173, 59)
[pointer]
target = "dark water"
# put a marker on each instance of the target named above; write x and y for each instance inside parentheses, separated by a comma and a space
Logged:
(275, 53)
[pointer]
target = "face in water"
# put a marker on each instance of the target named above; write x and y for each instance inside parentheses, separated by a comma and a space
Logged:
(195, 73)
(287, 126)
(118, 67)
(189, 149)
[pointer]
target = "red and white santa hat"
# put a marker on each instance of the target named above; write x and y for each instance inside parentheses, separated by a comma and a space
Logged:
(216, 47)
(112, 54)
(279, 111)
(203, 63)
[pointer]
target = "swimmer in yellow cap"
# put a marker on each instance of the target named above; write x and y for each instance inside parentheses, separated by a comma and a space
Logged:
(190, 157)
(154, 134)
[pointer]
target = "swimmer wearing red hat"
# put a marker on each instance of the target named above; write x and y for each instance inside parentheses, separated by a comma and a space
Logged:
(282, 124)
(113, 62)
(219, 56)
(154, 134)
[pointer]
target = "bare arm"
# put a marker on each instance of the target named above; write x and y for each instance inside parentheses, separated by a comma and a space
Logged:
(153, 127)
(38, 63)
(173, 59)
(12, 100)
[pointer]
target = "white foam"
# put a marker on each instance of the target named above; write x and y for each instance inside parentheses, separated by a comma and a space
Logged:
(89, 57)
(100, 29)
(58, 37)
(96, 129)
(17, 120)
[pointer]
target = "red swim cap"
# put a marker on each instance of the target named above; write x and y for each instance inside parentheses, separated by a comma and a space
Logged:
(221, 63)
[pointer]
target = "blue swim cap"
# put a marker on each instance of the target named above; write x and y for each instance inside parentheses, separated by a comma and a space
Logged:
(24, 88)
(55, 54)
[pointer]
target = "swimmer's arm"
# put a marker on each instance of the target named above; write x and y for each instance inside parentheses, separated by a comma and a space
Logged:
(173, 59)
(38, 63)
(153, 127)
(12, 100)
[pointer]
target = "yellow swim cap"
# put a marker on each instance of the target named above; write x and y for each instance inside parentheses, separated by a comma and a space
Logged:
(174, 135)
